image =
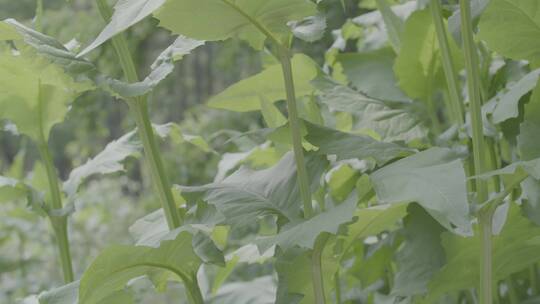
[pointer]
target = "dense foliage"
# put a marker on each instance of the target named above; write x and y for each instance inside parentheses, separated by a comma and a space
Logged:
(373, 151)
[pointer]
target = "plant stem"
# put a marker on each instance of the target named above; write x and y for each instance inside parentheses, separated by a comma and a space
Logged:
(294, 124)
(533, 272)
(479, 148)
(316, 269)
(39, 16)
(139, 108)
(456, 106)
(59, 223)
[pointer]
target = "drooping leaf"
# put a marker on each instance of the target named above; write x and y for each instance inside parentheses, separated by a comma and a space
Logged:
(247, 194)
(35, 94)
(507, 101)
(518, 23)
(161, 68)
(126, 13)
(46, 46)
(233, 18)
(418, 65)
(303, 233)
(393, 121)
(440, 174)
(118, 264)
(378, 64)
(309, 29)
(106, 162)
(422, 254)
(515, 248)
(349, 146)
(246, 94)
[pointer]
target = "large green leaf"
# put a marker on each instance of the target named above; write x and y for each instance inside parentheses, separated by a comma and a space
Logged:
(260, 290)
(35, 94)
(11, 189)
(378, 64)
(303, 233)
(511, 28)
(126, 13)
(422, 254)
(247, 194)
(246, 94)
(223, 19)
(515, 248)
(439, 174)
(349, 146)
(106, 162)
(118, 264)
(374, 220)
(393, 121)
(418, 66)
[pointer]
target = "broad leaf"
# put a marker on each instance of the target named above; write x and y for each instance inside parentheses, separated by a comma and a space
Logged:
(378, 64)
(247, 194)
(511, 27)
(374, 220)
(303, 233)
(106, 162)
(118, 264)
(439, 173)
(393, 121)
(126, 13)
(514, 249)
(351, 146)
(246, 94)
(260, 290)
(309, 29)
(11, 189)
(418, 67)
(233, 18)
(422, 254)
(35, 94)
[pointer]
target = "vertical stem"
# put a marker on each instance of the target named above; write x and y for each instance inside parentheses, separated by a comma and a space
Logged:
(479, 148)
(294, 124)
(139, 108)
(316, 269)
(512, 292)
(456, 106)
(59, 224)
(533, 272)
(337, 287)
(39, 16)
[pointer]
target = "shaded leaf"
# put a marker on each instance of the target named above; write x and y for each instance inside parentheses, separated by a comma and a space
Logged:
(309, 29)
(439, 173)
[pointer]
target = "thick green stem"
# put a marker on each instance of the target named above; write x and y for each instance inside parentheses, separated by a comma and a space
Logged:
(139, 108)
(456, 106)
(294, 124)
(316, 269)
(59, 223)
(479, 148)
(39, 16)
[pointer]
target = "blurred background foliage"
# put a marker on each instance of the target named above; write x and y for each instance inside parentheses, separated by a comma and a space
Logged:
(27, 260)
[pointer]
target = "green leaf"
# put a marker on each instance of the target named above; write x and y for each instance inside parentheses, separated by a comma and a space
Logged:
(393, 121)
(160, 69)
(508, 100)
(126, 13)
(378, 64)
(245, 95)
(418, 65)
(241, 19)
(68, 294)
(46, 46)
(11, 189)
(422, 254)
(35, 94)
(350, 146)
(439, 173)
(309, 29)
(374, 220)
(514, 249)
(394, 25)
(106, 162)
(511, 27)
(303, 233)
(248, 194)
(118, 264)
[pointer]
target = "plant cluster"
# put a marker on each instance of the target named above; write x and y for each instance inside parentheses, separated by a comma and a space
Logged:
(405, 169)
